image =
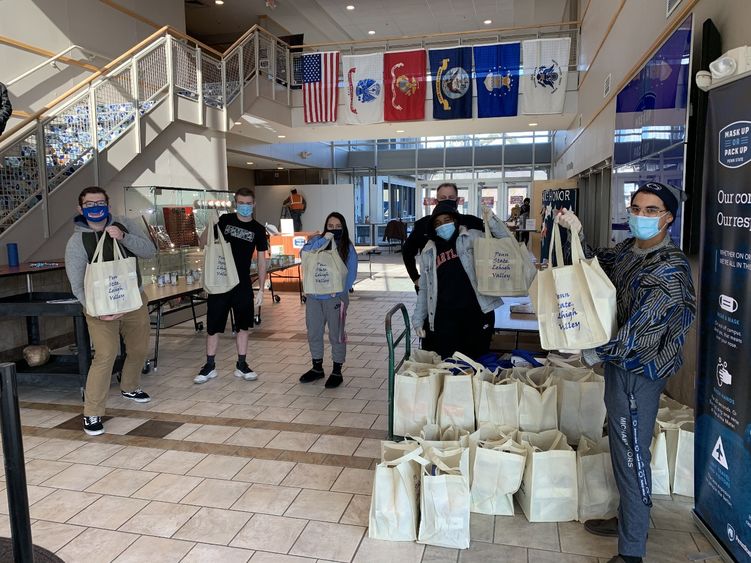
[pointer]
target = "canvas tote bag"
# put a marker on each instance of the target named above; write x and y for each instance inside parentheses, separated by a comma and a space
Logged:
(581, 403)
(324, 272)
(678, 428)
(219, 270)
(415, 400)
(502, 269)
(576, 304)
(456, 405)
(111, 288)
(538, 400)
(496, 399)
(659, 464)
(496, 475)
(598, 493)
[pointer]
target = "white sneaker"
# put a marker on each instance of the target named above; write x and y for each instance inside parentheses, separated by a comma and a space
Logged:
(205, 374)
(245, 372)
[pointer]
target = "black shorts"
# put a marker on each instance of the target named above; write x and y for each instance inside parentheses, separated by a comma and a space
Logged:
(240, 300)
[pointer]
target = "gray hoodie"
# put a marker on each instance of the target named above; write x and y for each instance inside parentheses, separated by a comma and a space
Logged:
(76, 258)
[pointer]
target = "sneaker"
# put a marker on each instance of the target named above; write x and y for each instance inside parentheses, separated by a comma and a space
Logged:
(243, 370)
(207, 372)
(311, 375)
(139, 396)
(92, 425)
(334, 380)
(607, 528)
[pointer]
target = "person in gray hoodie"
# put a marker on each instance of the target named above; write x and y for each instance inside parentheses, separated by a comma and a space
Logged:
(93, 221)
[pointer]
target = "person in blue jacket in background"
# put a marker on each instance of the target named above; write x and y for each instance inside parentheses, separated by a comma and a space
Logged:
(321, 310)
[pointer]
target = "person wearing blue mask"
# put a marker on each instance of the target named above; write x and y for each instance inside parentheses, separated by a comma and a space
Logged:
(92, 223)
(459, 318)
(245, 236)
(656, 306)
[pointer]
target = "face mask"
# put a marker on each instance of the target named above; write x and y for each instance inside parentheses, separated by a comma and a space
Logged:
(448, 202)
(96, 214)
(644, 228)
(446, 231)
(337, 233)
(244, 209)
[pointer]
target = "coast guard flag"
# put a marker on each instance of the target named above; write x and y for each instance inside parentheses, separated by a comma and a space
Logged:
(404, 85)
(452, 86)
(320, 73)
(363, 84)
(497, 76)
(545, 64)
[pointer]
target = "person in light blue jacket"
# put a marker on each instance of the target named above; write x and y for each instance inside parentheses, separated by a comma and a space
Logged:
(331, 310)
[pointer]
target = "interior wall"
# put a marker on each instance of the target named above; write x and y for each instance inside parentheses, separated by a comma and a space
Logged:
(240, 178)
(322, 199)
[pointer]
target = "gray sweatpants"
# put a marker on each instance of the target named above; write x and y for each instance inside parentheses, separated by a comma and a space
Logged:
(331, 312)
(633, 513)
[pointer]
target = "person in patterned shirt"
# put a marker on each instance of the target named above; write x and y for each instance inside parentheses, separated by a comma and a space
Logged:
(656, 306)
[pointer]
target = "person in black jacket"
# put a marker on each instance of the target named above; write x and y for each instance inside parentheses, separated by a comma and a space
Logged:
(6, 109)
(416, 241)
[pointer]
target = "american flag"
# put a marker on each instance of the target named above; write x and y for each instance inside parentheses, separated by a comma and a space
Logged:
(320, 75)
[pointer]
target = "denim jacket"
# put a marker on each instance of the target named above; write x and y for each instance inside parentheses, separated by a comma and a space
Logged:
(428, 295)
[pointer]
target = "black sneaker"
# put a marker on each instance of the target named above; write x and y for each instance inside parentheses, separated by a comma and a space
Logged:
(207, 372)
(243, 370)
(139, 396)
(334, 380)
(311, 375)
(92, 425)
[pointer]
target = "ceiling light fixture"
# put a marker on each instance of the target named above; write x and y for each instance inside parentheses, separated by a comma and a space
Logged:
(371, 32)
(249, 163)
(350, 7)
(218, 2)
(238, 122)
(533, 124)
(400, 130)
(488, 22)
(280, 167)
(281, 136)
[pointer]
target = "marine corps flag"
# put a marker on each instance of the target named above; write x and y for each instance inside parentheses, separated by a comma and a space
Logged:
(545, 64)
(404, 81)
(363, 84)
(452, 86)
(497, 75)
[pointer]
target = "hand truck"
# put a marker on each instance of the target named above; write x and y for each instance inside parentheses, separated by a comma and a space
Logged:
(394, 367)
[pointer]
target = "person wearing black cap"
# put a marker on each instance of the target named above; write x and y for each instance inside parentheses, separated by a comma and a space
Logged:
(459, 319)
(656, 306)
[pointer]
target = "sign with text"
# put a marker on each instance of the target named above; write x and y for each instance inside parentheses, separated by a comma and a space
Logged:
(552, 202)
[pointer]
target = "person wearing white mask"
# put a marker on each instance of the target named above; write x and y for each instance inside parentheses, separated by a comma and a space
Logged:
(656, 306)
(245, 235)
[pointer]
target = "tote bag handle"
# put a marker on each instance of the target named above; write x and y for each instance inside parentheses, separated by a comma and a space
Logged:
(555, 243)
(98, 256)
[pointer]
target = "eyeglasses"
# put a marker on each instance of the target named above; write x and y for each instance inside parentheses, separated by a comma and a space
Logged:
(647, 211)
(89, 204)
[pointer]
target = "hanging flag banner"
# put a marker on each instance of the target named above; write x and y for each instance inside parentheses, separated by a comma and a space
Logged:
(545, 64)
(404, 85)
(723, 416)
(451, 70)
(497, 77)
(363, 84)
(320, 76)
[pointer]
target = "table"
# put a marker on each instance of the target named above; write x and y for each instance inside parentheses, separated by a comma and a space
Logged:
(368, 251)
(275, 272)
(506, 321)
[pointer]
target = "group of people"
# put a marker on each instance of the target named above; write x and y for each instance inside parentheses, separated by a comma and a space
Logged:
(656, 306)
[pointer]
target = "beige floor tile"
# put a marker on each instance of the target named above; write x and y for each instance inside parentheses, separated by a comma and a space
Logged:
(212, 434)
(182, 432)
(346, 405)
(295, 441)
(254, 437)
(160, 519)
(92, 453)
(575, 539)
(96, 545)
(267, 471)
(167, 487)
(339, 445)
(278, 414)
(322, 418)
(354, 420)
(482, 527)
(434, 554)
(213, 525)
(311, 403)
(702, 543)
(203, 553)
(109, 512)
(357, 512)
(155, 550)
(265, 557)
(265, 532)
(266, 499)
(337, 542)
(376, 407)
(672, 515)
(122, 425)
(664, 546)
(369, 448)
(78, 477)
(308, 476)
(378, 551)
(133, 457)
(247, 412)
(480, 552)
(39, 470)
(175, 462)
(218, 466)
(319, 505)
(53, 449)
(203, 408)
(61, 505)
(53, 535)
(121, 482)
(216, 493)
(516, 530)
(358, 481)
(540, 556)
(274, 400)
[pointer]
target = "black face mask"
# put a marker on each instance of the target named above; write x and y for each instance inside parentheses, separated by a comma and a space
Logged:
(448, 203)
(337, 233)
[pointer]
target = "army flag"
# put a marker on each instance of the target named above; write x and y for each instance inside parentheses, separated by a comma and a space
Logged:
(404, 85)
(452, 86)
(497, 76)
(320, 75)
(545, 69)
(363, 85)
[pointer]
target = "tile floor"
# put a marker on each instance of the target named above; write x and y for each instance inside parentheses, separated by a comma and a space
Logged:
(268, 471)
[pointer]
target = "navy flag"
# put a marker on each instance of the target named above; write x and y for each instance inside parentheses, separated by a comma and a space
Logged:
(497, 75)
(451, 70)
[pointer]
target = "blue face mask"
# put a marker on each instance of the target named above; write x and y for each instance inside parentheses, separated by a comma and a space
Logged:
(244, 209)
(96, 214)
(644, 228)
(446, 231)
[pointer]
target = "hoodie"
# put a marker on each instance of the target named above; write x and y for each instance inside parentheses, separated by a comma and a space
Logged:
(135, 242)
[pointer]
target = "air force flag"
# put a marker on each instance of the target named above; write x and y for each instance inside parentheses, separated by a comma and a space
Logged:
(497, 76)
(545, 63)
(363, 86)
(452, 85)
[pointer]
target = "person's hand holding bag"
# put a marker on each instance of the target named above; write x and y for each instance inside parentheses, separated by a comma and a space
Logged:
(568, 220)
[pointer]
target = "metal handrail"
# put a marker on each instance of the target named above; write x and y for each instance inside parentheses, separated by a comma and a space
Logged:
(54, 59)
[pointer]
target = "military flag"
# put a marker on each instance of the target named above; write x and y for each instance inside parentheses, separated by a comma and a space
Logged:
(404, 85)
(363, 84)
(451, 70)
(320, 75)
(545, 70)
(497, 76)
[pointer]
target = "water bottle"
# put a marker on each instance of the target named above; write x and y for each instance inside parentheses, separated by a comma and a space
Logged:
(12, 254)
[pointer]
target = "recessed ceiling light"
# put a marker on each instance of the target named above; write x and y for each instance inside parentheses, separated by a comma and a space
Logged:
(488, 22)
(282, 136)
(400, 130)
(218, 2)
(533, 124)
(350, 7)
(280, 167)
(238, 122)
(371, 32)
(249, 163)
